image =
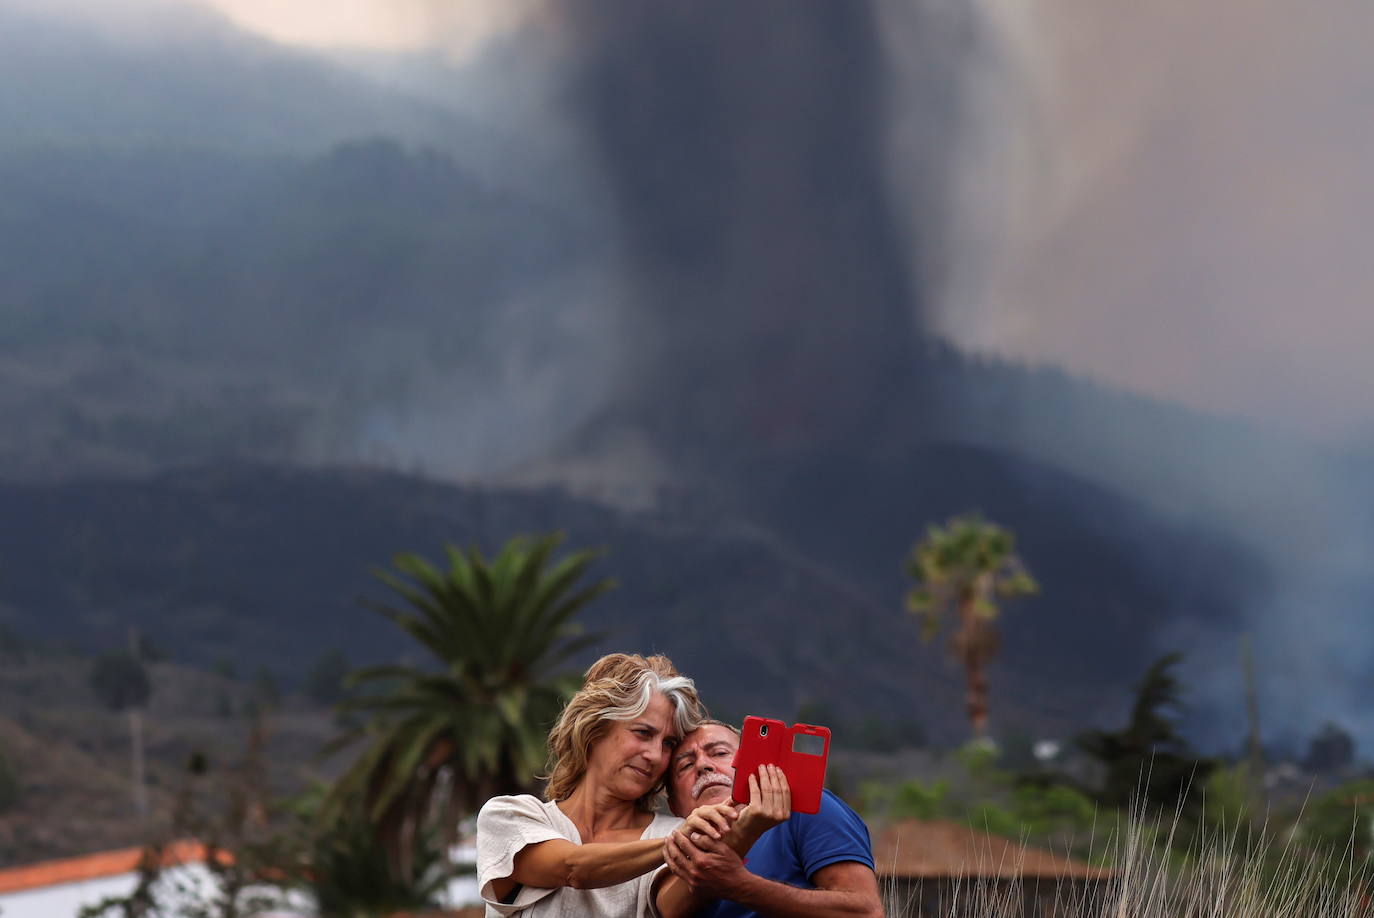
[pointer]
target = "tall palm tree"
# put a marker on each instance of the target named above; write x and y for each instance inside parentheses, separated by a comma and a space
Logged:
(965, 567)
(440, 741)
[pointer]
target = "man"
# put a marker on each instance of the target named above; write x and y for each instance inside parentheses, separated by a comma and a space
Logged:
(811, 866)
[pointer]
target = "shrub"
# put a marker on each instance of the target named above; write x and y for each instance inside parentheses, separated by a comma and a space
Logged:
(1338, 821)
(1052, 810)
(915, 800)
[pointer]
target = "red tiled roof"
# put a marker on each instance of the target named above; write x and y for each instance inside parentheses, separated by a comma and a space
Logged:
(97, 866)
(923, 850)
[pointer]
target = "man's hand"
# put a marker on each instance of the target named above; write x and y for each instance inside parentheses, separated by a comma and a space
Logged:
(770, 803)
(707, 865)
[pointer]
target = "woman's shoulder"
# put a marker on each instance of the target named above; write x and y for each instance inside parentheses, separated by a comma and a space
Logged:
(521, 817)
(516, 805)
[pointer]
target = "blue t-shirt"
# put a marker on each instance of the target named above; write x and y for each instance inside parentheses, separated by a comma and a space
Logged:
(792, 852)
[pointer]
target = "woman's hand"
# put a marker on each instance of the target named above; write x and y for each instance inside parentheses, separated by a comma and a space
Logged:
(711, 821)
(770, 802)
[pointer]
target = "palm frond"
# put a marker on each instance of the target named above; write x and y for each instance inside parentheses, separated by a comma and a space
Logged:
(500, 630)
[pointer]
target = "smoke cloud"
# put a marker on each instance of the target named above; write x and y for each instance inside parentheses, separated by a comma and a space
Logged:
(743, 144)
(1185, 207)
(1173, 199)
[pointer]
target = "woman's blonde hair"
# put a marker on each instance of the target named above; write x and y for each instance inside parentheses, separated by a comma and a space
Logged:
(619, 686)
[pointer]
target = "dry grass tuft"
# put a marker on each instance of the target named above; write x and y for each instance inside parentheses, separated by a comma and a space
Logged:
(1227, 873)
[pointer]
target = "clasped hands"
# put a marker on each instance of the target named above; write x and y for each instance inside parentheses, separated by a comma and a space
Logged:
(705, 850)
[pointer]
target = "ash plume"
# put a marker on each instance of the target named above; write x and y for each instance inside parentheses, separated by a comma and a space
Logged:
(773, 298)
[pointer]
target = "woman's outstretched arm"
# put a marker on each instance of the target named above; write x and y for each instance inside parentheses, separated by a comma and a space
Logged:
(559, 862)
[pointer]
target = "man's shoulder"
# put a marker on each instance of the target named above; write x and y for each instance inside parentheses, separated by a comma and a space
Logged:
(832, 809)
(834, 833)
(830, 800)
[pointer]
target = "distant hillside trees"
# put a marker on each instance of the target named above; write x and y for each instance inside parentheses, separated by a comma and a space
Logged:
(121, 682)
(443, 739)
(962, 569)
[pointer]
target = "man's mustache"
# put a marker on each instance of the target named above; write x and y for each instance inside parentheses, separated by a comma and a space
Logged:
(707, 780)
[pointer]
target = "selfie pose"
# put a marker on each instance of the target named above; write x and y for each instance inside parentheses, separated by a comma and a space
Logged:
(810, 865)
(590, 848)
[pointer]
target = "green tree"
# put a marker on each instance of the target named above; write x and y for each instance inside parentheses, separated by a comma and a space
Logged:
(1148, 760)
(440, 741)
(964, 568)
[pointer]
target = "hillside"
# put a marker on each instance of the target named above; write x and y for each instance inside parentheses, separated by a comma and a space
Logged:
(173, 307)
(267, 564)
(72, 758)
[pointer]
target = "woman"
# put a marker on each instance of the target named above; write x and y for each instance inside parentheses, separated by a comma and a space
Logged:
(591, 847)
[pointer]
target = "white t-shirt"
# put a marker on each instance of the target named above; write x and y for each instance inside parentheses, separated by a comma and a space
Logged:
(507, 824)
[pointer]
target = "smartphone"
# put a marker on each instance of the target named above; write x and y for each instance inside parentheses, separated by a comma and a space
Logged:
(801, 751)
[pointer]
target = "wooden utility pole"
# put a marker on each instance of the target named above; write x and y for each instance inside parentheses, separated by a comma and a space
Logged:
(1256, 748)
(136, 736)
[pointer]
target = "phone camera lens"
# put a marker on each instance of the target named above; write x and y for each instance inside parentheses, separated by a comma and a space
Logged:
(763, 730)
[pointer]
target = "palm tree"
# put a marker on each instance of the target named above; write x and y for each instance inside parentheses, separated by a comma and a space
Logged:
(966, 566)
(440, 741)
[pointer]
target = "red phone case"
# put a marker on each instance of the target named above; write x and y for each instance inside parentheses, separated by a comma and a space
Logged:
(765, 741)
